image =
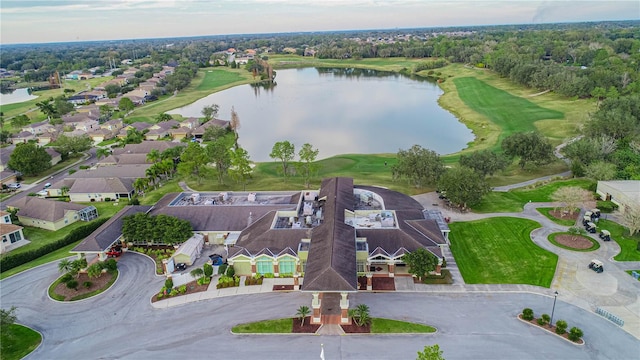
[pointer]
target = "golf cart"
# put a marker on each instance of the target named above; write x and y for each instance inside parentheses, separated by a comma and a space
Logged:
(596, 265)
(590, 227)
(605, 235)
(585, 220)
(589, 214)
(595, 213)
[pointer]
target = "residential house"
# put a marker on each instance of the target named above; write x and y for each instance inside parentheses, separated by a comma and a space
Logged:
(39, 128)
(113, 125)
(109, 102)
(8, 177)
(5, 155)
(100, 135)
(139, 126)
(138, 93)
(82, 121)
(147, 86)
(185, 129)
(23, 137)
(123, 159)
(136, 100)
(161, 129)
(199, 131)
(12, 236)
(56, 157)
(101, 189)
(46, 138)
(92, 108)
(82, 99)
(145, 147)
(51, 214)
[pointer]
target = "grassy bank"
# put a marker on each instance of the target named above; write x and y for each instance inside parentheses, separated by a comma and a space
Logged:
(500, 251)
(620, 234)
(18, 342)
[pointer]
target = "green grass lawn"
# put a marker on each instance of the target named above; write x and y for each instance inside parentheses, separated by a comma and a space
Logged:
(510, 113)
(279, 326)
(500, 251)
(620, 234)
(514, 200)
(630, 271)
(18, 342)
(218, 77)
(388, 326)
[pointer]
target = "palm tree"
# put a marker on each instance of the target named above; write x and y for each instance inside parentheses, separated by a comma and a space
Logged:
(47, 108)
(65, 266)
(94, 271)
(361, 315)
(140, 184)
(64, 190)
(152, 175)
(154, 156)
(303, 312)
(102, 152)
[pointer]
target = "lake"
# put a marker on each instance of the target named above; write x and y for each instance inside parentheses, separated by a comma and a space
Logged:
(339, 111)
(17, 96)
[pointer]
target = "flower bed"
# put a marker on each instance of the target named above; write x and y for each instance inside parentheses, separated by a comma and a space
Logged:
(551, 329)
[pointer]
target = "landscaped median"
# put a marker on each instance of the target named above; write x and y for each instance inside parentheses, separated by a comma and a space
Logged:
(295, 326)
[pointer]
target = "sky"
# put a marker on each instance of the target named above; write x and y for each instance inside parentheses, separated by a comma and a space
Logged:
(42, 21)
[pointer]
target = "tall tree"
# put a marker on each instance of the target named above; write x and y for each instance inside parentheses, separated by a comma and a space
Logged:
(421, 262)
(571, 197)
(234, 124)
(485, 162)
(210, 111)
(284, 151)
(463, 186)
(163, 117)
(102, 152)
(19, 121)
(29, 159)
(219, 152)
(631, 218)
(68, 145)
(306, 166)
(529, 147)
(418, 165)
(240, 165)
(125, 104)
(302, 313)
(193, 161)
(154, 156)
(601, 170)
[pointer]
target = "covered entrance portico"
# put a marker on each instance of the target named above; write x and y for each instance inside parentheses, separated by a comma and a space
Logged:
(330, 308)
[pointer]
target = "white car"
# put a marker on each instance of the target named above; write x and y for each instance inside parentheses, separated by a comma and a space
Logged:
(47, 185)
(42, 193)
(14, 186)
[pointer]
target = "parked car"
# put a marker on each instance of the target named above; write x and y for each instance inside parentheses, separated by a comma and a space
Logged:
(216, 259)
(47, 185)
(115, 251)
(42, 193)
(596, 265)
(14, 186)
(181, 266)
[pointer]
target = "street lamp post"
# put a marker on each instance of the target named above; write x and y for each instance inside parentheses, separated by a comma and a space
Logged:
(555, 297)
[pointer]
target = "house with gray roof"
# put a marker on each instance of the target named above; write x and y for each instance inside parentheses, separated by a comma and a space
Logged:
(145, 147)
(199, 131)
(51, 214)
(111, 182)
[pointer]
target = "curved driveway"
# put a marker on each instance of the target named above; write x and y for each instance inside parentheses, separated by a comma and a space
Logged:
(121, 324)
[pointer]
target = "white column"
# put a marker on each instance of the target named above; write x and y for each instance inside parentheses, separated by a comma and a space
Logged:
(344, 308)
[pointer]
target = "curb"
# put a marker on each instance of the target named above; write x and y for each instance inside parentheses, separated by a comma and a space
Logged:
(551, 332)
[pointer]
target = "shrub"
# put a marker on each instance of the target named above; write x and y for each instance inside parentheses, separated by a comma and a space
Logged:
(546, 318)
(561, 327)
(222, 269)
(66, 278)
(72, 284)
(208, 270)
(12, 260)
(168, 283)
(71, 171)
(87, 284)
(83, 167)
(160, 295)
(268, 276)
(107, 199)
(173, 292)
(182, 289)
(575, 334)
(110, 265)
(231, 272)
(134, 201)
(606, 206)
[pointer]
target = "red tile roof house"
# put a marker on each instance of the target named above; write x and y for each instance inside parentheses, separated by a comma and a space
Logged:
(12, 236)
(330, 236)
(49, 214)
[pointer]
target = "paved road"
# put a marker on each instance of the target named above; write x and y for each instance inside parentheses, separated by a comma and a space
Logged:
(121, 324)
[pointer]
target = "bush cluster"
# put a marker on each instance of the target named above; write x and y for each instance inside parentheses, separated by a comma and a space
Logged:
(254, 280)
(606, 206)
(561, 326)
(226, 281)
(13, 260)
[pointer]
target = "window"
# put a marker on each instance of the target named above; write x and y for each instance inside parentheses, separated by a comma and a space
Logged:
(361, 266)
(303, 265)
(287, 266)
(7, 219)
(15, 237)
(264, 266)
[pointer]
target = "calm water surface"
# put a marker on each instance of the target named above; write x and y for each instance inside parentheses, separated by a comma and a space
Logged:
(17, 96)
(339, 111)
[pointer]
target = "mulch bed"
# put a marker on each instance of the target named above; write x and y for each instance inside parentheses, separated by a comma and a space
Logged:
(308, 327)
(551, 329)
(355, 329)
(98, 283)
(282, 287)
(192, 287)
(573, 241)
(377, 283)
(559, 214)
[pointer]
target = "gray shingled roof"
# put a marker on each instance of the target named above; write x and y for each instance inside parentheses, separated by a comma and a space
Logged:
(102, 185)
(104, 236)
(331, 264)
(213, 122)
(260, 236)
(42, 209)
(218, 218)
(134, 171)
(145, 147)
